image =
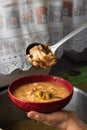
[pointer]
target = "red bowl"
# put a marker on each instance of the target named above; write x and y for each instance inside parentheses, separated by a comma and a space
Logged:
(44, 107)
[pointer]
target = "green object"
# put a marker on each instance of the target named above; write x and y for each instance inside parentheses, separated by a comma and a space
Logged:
(79, 79)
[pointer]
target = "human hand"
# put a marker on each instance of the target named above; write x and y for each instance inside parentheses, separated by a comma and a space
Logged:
(63, 120)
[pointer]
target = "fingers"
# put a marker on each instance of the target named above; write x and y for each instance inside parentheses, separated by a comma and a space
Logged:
(52, 119)
(33, 115)
(57, 119)
(37, 116)
(45, 118)
(63, 120)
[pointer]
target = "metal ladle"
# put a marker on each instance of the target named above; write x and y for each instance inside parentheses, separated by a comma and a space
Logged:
(59, 43)
(54, 47)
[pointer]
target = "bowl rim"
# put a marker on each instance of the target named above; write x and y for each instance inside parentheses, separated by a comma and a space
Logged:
(41, 102)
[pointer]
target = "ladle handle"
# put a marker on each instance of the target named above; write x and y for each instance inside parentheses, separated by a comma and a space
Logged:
(67, 37)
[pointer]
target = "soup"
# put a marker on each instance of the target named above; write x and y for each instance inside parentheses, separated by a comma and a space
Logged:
(41, 91)
(41, 56)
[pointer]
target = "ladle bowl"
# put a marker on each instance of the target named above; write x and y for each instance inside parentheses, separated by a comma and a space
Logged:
(36, 44)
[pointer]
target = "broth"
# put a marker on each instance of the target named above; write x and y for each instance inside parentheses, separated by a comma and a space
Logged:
(41, 91)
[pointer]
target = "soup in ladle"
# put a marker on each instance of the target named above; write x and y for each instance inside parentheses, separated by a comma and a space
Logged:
(40, 56)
